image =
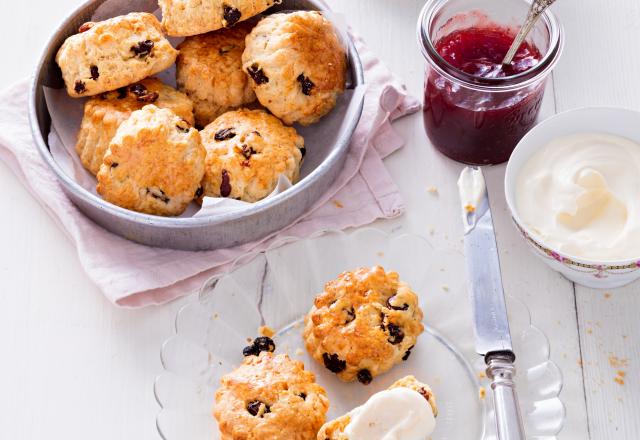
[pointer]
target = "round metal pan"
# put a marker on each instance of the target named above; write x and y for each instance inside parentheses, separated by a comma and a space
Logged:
(195, 233)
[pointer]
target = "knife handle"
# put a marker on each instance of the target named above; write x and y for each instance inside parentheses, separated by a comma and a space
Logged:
(501, 371)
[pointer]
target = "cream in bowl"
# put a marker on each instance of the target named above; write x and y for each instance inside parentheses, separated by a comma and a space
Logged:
(573, 187)
(581, 195)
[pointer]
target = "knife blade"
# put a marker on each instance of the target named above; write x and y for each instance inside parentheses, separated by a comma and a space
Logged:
(491, 323)
(483, 272)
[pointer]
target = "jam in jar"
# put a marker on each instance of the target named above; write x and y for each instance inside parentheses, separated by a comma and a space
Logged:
(475, 109)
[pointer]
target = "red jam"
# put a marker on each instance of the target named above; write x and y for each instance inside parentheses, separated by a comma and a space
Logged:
(476, 126)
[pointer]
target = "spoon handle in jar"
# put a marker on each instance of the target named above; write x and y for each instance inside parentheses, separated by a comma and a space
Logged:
(536, 10)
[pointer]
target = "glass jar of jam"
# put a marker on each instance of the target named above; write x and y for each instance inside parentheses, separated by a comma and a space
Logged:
(475, 109)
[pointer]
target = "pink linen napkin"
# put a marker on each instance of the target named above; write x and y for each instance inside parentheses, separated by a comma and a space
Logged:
(134, 275)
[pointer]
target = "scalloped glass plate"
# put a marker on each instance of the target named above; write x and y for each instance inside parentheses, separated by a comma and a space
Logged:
(277, 289)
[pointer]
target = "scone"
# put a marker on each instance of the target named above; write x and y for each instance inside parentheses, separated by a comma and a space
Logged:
(182, 18)
(335, 429)
(114, 53)
(209, 71)
(154, 163)
(297, 65)
(270, 397)
(104, 113)
(247, 151)
(364, 323)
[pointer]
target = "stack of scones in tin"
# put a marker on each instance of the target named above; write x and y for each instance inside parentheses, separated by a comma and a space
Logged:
(243, 80)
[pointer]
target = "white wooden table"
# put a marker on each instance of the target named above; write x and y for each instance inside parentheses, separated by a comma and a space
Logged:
(73, 366)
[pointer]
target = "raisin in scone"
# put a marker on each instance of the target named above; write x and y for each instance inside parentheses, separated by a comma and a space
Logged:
(423, 404)
(364, 323)
(104, 113)
(247, 151)
(297, 65)
(209, 71)
(154, 163)
(182, 18)
(270, 397)
(114, 53)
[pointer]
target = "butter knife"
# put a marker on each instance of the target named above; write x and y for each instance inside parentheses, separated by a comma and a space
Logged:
(492, 337)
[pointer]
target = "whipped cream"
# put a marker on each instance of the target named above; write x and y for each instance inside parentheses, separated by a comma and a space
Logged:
(472, 188)
(580, 194)
(396, 414)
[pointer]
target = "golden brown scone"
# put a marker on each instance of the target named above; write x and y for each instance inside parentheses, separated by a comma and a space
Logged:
(364, 323)
(270, 397)
(154, 163)
(114, 53)
(209, 71)
(334, 430)
(103, 115)
(297, 65)
(182, 18)
(247, 151)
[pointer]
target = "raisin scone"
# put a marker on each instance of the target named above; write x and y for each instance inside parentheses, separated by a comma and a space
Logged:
(364, 323)
(270, 397)
(297, 65)
(104, 113)
(114, 53)
(424, 417)
(183, 18)
(247, 151)
(154, 163)
(209, 71)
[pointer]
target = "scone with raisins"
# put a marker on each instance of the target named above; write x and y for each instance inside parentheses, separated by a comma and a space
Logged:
(182, 18)
(209, 71)
(335, 429)
(114, 53)
(270, 397)
(364, 323)
(247, 152)
(297, 65)
(154, 163)
(103, 115)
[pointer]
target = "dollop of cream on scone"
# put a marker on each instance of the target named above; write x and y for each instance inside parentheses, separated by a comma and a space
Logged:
(270, 397)
(114, 53)
(247, 152)
(209, 71)
(104, 113)
(154, 163)
(407, 411)
(364, 323)
(182, 18)
(297, 65)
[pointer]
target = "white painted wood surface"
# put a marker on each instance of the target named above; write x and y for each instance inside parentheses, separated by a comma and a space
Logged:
(73, 366)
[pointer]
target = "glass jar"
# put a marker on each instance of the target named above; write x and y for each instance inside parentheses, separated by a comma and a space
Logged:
(479, 120)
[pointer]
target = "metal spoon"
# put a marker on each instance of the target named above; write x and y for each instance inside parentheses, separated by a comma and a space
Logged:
(536, 10)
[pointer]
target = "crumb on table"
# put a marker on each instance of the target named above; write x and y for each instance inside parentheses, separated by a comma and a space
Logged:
(617, 362)
(265, 330)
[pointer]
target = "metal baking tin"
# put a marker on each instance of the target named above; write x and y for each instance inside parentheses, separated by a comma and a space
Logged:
(220, 231)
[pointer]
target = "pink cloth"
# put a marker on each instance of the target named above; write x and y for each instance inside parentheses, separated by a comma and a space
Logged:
(133, 275)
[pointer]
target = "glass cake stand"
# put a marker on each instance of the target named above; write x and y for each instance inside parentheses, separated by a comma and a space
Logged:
(277, 288)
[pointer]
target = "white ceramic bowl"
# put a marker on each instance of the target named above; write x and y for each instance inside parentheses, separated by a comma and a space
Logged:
(616, 121)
